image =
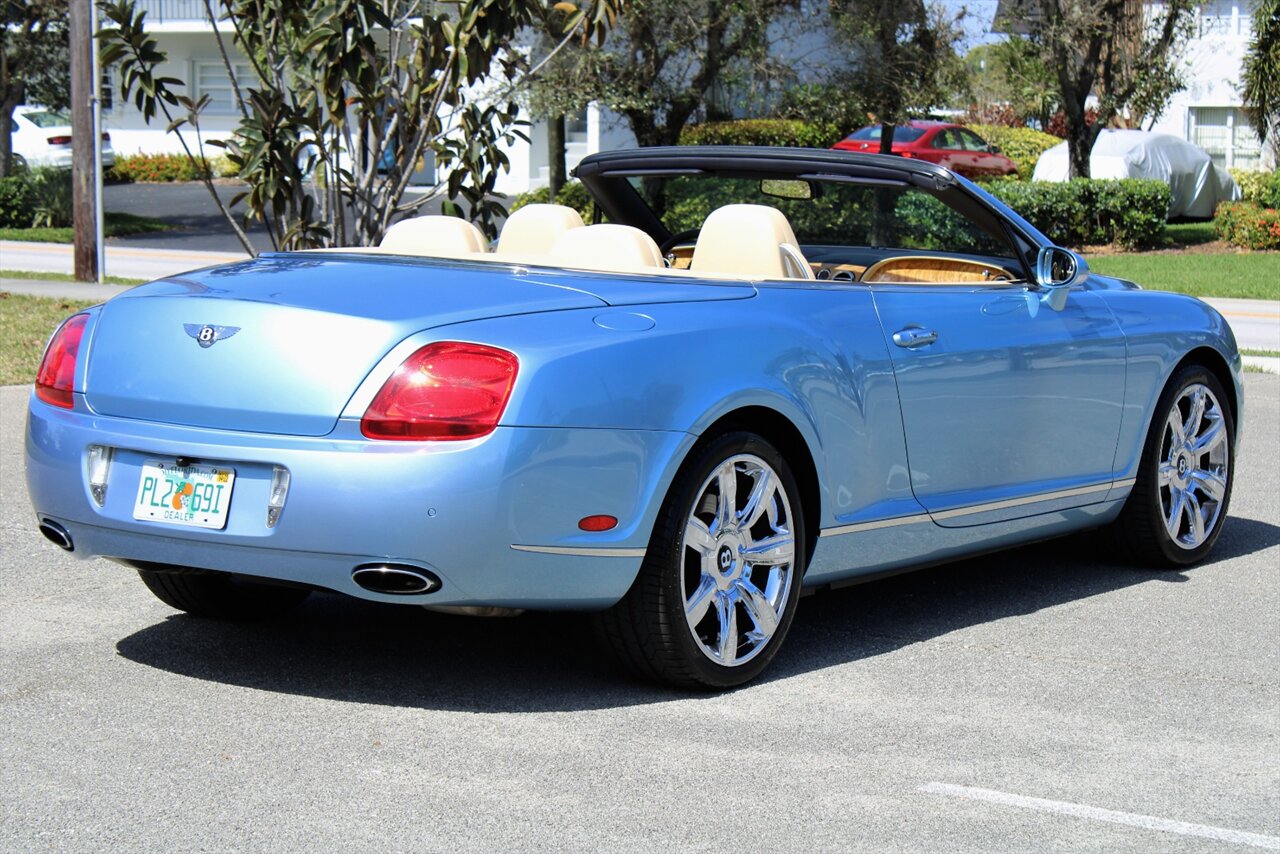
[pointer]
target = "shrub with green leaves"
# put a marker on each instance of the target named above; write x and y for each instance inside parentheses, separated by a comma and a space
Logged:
(572, 194)
(1130, 212)
(17, 202)
(1021, 145)
(785, 132)
(1260, 188)
(52, 198)
(1248, 225)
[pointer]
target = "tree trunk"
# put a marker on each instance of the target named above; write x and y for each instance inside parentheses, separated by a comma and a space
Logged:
(11, 96)
(7, 106)
(555, 154)
(80, 27)
(886, 137)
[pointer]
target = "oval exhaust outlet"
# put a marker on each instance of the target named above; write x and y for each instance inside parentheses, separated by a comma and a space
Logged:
(395, 579)
(56, 534)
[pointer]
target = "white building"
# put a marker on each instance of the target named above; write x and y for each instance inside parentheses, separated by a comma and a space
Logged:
(184, 33)
(1209, 112)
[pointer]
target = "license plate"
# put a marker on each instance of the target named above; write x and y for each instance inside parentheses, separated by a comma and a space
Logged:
(194, 496)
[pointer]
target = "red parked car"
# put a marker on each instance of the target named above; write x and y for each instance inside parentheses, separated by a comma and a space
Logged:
(950, 145)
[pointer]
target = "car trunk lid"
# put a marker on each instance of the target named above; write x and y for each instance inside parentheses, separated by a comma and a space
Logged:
(278, 344)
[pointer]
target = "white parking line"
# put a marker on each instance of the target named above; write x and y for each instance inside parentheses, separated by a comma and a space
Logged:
(1220, 834)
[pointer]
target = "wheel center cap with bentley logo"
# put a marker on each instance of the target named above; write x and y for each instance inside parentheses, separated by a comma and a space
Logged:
(725, 558)
(1182, 466)
(207, 334)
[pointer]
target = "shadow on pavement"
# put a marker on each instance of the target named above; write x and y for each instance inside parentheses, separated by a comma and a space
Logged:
(337, 648)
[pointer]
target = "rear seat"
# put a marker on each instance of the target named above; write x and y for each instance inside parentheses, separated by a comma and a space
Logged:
(607, 247)
(534, 229)
(434, 236)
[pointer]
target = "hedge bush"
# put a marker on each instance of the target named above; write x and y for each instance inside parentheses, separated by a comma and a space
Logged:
(1021, 145)
(572, 194)
(1260, 188)
(1130, 212)
(163, 168)
(17, 202)
(1248, 225)
(786, 132)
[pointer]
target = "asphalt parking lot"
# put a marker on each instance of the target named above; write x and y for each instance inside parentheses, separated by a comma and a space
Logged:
(1039, 699)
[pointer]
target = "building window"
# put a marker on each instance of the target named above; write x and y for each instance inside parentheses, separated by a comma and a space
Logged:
(1226, 136)
(211, 79)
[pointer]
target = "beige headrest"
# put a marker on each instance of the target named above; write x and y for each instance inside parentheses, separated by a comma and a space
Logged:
(749, 240)
(436, 236)
(534, 228)
(619, 248)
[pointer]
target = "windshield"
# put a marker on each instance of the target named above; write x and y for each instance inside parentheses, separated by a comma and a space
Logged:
(47, 118)
(835, 213)
(900, 133)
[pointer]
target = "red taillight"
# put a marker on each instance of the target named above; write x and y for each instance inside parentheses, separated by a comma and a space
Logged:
(445, 391)
(907, 154)
(57, 375)
(59, 140)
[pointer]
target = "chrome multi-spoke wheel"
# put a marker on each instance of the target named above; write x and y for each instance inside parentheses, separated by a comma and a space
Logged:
(721, 578)
(739, 555)
(1194, 466)
(1179, 500)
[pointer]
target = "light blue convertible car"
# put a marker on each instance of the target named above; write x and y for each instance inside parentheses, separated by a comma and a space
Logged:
(758, 370)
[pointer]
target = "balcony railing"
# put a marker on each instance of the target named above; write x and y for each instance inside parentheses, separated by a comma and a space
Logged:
(161, 11)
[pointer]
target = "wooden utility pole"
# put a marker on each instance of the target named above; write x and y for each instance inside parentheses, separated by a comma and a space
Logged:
(83, 142)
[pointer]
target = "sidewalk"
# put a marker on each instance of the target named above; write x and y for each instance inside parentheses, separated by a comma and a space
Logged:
(1256, 323)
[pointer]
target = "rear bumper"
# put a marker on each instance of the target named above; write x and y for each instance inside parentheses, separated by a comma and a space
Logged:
(454, 508)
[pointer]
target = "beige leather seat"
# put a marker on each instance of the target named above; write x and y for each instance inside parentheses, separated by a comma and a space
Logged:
(616, 248)
(434, 236)
(536, 228)
(754, 241)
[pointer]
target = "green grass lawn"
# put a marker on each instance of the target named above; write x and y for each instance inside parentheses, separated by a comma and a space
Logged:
(115, 225)
(25, 326)
(1189, 233)
(65, 277)
(1253, 275)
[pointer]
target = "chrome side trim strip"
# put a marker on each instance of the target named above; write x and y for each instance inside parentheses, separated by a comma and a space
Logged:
(580, 551)
(1018, 502)
(976, 508)
(875, 524)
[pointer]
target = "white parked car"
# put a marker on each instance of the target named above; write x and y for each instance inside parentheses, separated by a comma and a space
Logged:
(1195, 183)
(42, 137)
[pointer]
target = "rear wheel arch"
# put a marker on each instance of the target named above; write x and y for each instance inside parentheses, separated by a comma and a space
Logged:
(779, 431)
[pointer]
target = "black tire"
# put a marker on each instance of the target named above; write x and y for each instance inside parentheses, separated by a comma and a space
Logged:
(648, 632)
(219, 595)
(1141, 533)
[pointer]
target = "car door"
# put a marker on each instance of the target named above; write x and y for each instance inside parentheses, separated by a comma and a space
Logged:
(954, 155)
(1009, 407)
(984, 160)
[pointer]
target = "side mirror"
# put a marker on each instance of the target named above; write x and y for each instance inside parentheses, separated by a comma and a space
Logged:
(1057, 269)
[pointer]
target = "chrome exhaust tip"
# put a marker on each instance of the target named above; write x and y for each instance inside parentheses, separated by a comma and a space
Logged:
(56, 534)
(395, 579)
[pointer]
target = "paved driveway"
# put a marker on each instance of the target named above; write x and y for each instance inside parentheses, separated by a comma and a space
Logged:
(1039, 699)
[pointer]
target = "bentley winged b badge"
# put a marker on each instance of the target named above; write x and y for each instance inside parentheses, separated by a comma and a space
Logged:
(206, 335)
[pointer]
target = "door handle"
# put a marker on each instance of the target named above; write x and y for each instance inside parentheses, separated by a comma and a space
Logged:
(914, 336)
